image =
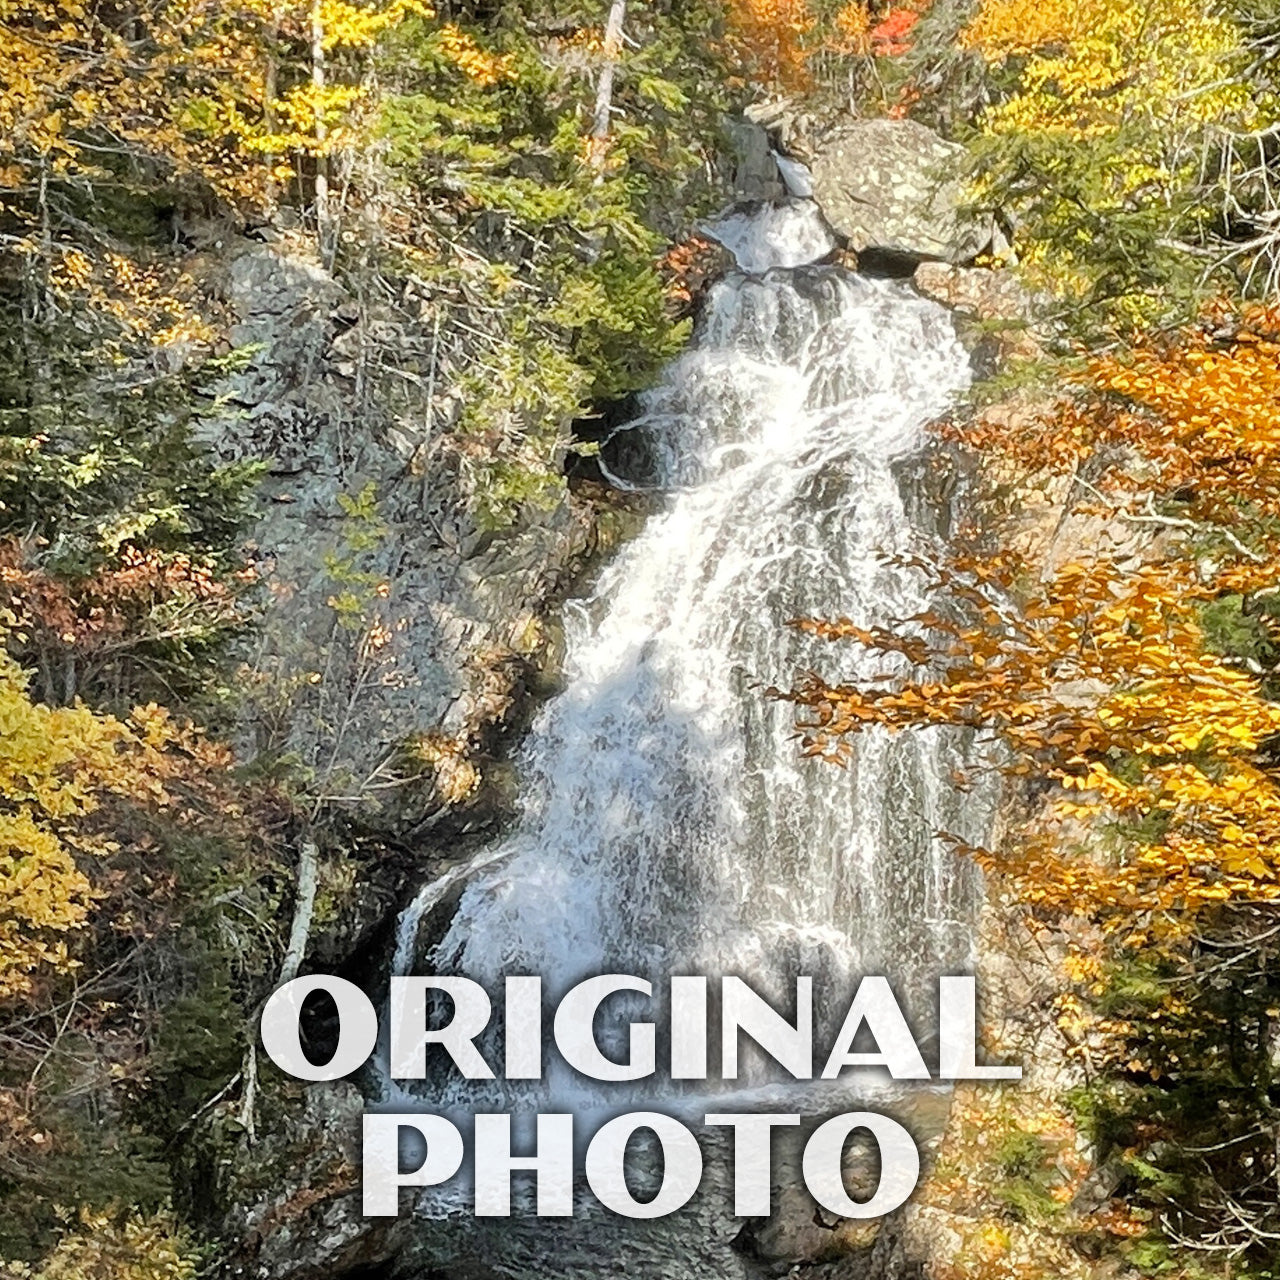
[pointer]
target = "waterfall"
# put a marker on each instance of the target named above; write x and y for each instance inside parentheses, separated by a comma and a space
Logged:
(669, 824)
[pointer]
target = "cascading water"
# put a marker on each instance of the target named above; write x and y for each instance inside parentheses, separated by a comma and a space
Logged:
(669, 823)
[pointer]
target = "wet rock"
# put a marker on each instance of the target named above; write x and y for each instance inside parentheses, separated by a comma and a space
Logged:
(467, 1271)
(792, 1238)
(891, 188)
(755, 168)
(794, 1232)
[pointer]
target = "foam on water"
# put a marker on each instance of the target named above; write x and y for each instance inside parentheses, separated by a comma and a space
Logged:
(789, 234)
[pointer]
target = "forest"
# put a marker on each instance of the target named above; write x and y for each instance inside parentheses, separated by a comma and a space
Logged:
(506, 197)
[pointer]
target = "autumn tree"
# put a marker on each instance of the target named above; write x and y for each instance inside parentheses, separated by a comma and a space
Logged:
(1116, 143)
(1137, 682)
(54, 766)
(795, 46)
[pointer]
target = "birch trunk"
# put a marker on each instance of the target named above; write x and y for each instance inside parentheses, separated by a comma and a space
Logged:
(604, 87)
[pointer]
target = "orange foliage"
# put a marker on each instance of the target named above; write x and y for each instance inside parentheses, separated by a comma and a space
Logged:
(775, 40)
(486, 69)
(1096, 674)
(143, 594)
(686, 268)
(767, 37)
(136, 623)
(890, 37)
(850, 29)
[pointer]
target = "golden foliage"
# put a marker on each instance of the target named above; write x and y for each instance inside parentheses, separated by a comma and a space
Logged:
(1096, 674)
(139, 597)
(1120, 101)
(851, 29)
(1011, 1166)
(767, 37)
(486, 69)
(115, 1246)
(225, 93)
(55, 766)
(1091, 63)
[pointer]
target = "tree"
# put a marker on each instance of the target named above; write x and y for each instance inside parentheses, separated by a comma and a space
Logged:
(55, 765)
(604, 85)
(1105, 144)
(1136, 688)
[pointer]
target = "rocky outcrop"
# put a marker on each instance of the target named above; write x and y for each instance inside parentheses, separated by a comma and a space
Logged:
(891, 188)
(396, 632)
(755, 173)
(296, 1205)
(790, 126)
(399, 645)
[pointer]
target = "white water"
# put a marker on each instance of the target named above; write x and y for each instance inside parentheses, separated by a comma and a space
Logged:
(669, 822)
(791, 234)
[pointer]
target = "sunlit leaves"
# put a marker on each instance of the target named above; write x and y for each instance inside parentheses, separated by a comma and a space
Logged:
(1099, 142)
(1096, 674)
(55, 765)
(777, 41)
(769, 37)
(119, 1245)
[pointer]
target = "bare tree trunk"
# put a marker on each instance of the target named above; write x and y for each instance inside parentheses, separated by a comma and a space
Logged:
(324, 222)
(300, 933)
(304, 905)
(604, 87)
(44, 305)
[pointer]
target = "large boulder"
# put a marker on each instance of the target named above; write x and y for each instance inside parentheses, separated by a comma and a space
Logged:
(892, 188)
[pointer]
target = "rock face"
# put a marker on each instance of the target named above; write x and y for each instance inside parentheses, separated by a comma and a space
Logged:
(390, 616)
(890, 188)
(397, 642)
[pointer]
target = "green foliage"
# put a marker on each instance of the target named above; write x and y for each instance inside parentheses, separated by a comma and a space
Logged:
(1191, 1122)
(1114, 255)
(1229, 631)
(89, 467)
(1119, 140)
(116, 1244)
(122, 522)
(1027, 1175)
(572, 249)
